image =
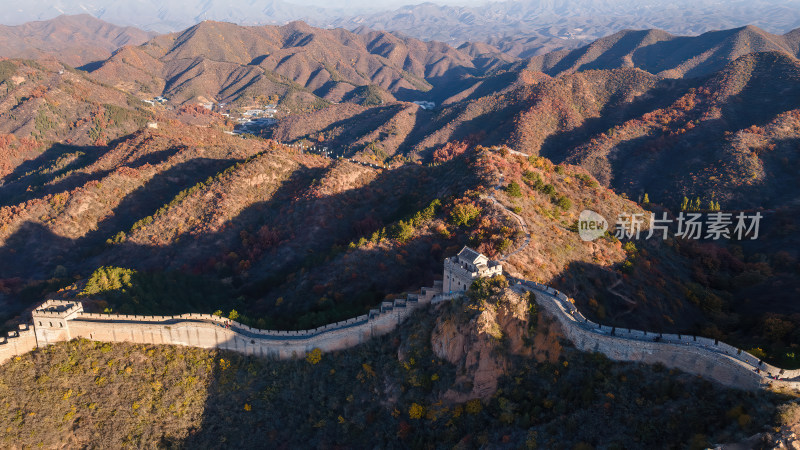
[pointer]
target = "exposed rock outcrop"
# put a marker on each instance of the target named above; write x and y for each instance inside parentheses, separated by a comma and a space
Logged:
(479, 338)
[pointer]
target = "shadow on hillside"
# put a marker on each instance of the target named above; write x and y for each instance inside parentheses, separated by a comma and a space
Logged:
(356, 128)
(680, 49)
(14, 186)
(604, 296)
(610, 58)
(616, 112)
(313, 231)
(21, 191)
(92, 66)
(443, 86)
(490, 126)
(34, 178)
(491, 85)
(675, 163)
(40, 250)
(32, 167)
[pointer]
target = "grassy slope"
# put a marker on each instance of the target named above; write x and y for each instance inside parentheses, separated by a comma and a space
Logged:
(385, 392)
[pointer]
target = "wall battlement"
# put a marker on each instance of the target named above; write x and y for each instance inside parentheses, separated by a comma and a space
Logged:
(59, 320)
(17, 342)
(709, 358)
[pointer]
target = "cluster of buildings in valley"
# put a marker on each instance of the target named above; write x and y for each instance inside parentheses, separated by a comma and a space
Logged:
(160, 100)
(247, 120)
(424, 104)
(252, 120)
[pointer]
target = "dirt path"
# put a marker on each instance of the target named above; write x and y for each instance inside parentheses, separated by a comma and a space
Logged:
(623, 297)
(522, 225)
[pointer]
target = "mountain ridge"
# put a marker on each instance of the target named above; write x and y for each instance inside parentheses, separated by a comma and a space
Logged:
(664, 54)
(75, 40)
(291, 58)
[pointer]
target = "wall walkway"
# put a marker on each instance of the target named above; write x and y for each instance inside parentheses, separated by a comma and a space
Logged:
(59, 320)
(697, 355)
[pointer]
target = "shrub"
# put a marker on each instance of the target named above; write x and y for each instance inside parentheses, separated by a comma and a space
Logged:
(449, 151)
(513, 189)
(402, 231)
(564, 203)
(106, 279)
(464, 214)
(416, 411)
(483, 288)
(533, 179)
(314, 356)
(474, 406)
(757, 352)
(788, 414)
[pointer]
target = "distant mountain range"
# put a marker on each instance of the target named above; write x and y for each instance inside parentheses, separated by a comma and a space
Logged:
(520, 28)
(165, 16)
(75, 40)
(91, 176)
(664, 54)
(587, 106)
(505, 22)
(295, 62)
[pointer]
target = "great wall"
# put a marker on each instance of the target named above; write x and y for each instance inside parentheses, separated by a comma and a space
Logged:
(63, 320)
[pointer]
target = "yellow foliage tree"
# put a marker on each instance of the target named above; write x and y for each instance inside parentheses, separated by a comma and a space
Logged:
(416, 411)
(314, 356)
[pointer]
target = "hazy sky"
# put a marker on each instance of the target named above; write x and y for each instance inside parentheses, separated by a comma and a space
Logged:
(383, 4)
(558, 18)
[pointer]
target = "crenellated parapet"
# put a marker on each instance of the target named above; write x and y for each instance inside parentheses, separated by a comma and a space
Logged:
(61, 320)
(709, 358)
(17, 342)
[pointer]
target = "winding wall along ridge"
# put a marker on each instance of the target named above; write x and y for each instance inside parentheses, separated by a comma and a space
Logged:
(59, 320)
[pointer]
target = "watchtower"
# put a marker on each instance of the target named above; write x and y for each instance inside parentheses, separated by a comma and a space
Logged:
(461, 270)
(51, 321)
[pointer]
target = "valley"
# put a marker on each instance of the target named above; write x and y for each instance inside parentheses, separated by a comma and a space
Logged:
(290, 177)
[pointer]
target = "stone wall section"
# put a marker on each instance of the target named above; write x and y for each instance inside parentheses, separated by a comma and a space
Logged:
(58, 320)
(17, 343)
(701, 356)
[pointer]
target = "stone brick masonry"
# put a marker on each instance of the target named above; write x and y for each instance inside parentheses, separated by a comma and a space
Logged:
(60, 320)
